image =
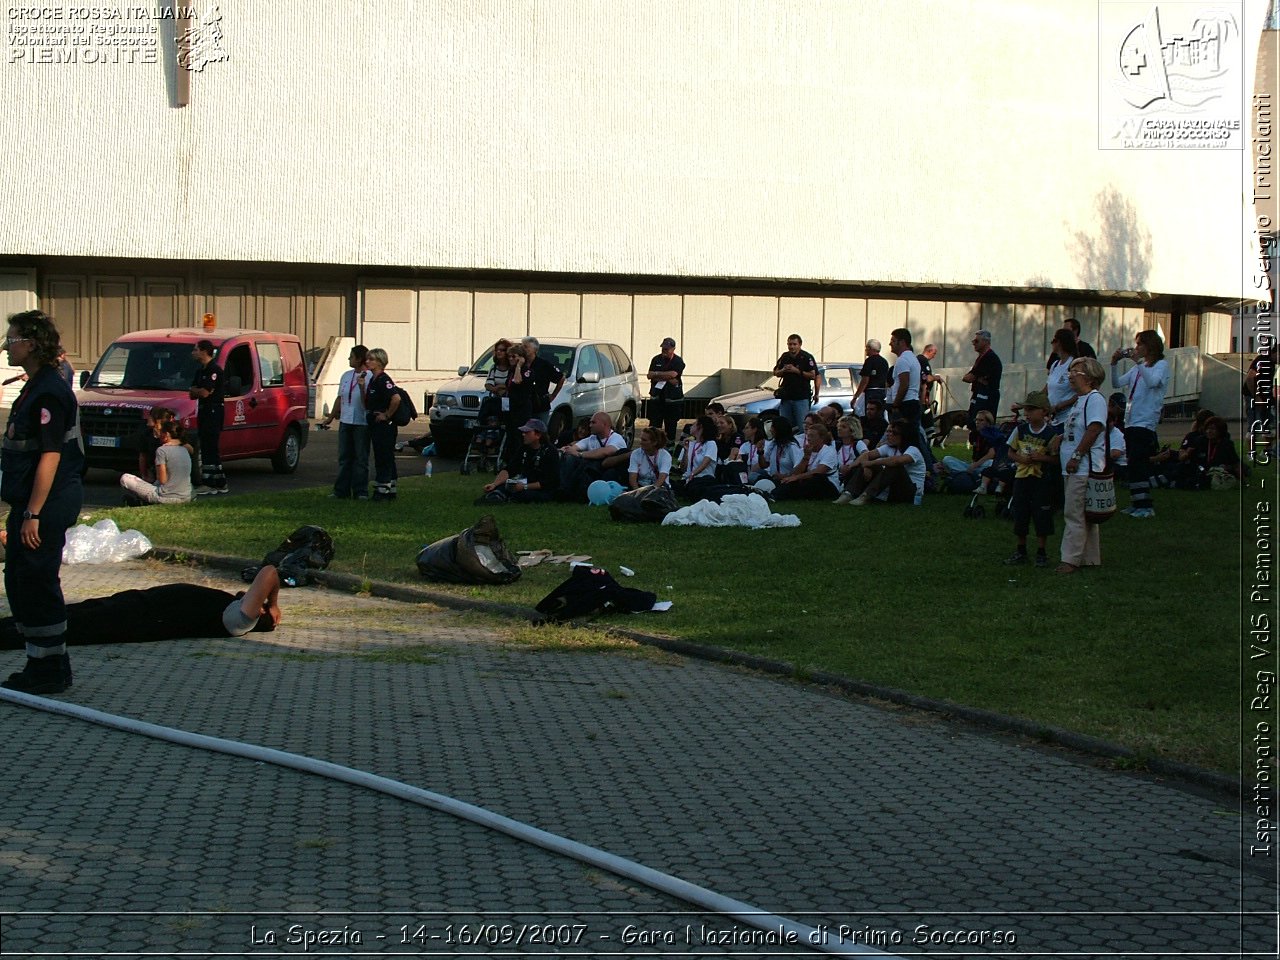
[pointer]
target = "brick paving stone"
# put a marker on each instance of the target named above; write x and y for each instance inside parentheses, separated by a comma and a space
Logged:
(785, 796)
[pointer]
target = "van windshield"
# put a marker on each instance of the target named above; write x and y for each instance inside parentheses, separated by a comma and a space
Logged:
(146, 366)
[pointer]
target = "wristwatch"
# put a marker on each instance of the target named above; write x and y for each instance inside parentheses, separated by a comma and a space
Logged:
(28, 515)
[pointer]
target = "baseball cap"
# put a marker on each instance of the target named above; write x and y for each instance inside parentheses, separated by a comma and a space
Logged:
(532, 425)
(668, 342)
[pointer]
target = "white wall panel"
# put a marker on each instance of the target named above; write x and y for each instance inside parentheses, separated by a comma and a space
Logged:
(884, 140)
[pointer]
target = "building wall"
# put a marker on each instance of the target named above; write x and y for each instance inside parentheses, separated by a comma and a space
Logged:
(884, 141)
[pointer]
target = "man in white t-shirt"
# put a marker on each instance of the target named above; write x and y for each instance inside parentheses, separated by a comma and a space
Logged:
(602, 455)
(903, 397)
(893, 472)
(353, 429)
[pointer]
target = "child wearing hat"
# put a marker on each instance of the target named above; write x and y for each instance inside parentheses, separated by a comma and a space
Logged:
(1033, 444)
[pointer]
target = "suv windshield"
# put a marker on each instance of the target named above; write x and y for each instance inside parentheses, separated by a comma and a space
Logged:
(146, 366)
(561, 357)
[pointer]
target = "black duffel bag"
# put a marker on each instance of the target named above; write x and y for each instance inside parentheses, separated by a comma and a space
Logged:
(306, 549)
(645, 505)
(476, 555)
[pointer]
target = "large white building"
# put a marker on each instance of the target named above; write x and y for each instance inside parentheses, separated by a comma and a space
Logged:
(428, 176)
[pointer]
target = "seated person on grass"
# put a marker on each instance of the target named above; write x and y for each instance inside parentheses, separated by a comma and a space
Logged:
(601, 456)
(174, 611)
(892, 472)
(172, 472)
(782, 452)
(1175, 465)
(815, 476)
(651, 460)
(849, 447)
(874, 422)
(530, 474)
(700, 458)
(751, 453)
(1115, 435)
(989, 446)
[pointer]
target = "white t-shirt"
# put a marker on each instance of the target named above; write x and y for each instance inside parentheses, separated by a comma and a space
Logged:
(642, 465)
(848, 453)
(750, 454)
(614, 440)
(1118, 444)
(698, 452)
(1146, 387)
(1060, 390)
(1078, 420)
(827, 457)
(352, 411)
(909, 364)
(915, 469)
(781, 460)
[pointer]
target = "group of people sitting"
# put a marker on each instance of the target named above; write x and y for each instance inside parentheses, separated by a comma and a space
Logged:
(164, 462)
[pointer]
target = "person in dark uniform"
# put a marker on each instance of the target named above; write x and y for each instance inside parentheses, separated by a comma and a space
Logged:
(530, 474)
(984, 378)
(799, 384)
(206, 389)
(666, 388)
(543, 373)
(172, 611)
(381, 402)
(41, 461)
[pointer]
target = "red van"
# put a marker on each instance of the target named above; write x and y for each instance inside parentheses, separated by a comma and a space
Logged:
(267, 403)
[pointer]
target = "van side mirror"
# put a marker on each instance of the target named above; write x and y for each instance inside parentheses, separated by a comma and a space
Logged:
(84, 377)
(590, 377)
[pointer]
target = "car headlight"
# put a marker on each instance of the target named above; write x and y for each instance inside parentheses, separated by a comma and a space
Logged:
(735, 408)
(446, 400)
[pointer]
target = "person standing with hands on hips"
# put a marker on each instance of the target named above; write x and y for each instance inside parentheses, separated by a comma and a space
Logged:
(666, 388)
(381, 403)
(798, 372)
(206, 389)
(353, 428)
(41, 461)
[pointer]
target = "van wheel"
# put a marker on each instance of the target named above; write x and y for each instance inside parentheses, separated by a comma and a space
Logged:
(285, 460)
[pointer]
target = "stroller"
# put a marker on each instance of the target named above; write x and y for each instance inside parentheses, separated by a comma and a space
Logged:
(488, 439)
(995, 482)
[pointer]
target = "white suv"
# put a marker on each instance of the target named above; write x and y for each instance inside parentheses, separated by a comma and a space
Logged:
(598, 376)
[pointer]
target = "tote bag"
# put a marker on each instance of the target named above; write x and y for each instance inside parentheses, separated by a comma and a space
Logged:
(1100, 488)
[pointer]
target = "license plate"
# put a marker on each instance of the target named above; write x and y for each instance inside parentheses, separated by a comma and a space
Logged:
(104, 441)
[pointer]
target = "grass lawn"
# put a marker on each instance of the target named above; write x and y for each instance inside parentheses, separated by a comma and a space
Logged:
(1144, 652)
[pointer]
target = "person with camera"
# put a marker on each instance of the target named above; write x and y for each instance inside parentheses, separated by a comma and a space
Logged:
(530, 474)
(1146, 382)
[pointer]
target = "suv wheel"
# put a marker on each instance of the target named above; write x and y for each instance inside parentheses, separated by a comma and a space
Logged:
(285, 460)
(560, 421)
(626, 425)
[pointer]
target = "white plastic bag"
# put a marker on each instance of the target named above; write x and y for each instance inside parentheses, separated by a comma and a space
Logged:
(103, 543)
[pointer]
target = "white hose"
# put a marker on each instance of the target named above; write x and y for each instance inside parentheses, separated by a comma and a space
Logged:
(662, 882)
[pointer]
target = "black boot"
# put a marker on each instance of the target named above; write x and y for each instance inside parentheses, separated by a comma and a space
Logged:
(42, 676)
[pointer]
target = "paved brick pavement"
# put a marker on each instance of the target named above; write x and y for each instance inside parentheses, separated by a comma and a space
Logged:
(818, 807)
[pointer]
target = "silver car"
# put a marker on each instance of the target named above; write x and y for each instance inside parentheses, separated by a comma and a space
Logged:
(839, 383)
(598, 376)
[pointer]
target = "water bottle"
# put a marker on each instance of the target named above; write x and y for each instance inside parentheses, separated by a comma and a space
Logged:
(426, 471)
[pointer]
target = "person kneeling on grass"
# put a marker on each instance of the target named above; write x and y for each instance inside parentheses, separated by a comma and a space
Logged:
(172, 466)
(892, 472)
(173, 611)
(1032, 445)
(529, 475)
